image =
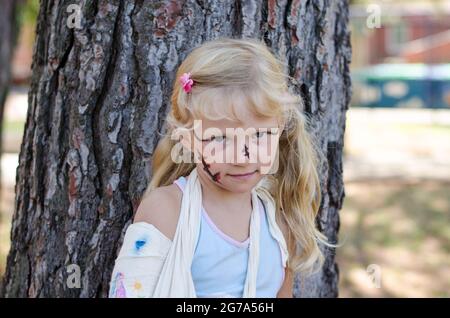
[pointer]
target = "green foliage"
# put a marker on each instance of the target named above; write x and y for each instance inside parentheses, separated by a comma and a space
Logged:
(27, 12)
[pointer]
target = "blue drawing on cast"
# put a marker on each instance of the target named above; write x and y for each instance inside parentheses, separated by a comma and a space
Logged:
(139, 244)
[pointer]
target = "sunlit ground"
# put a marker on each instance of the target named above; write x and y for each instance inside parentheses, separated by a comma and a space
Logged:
(6, 209)
(14, 121)
(401, 227)
(396, 213)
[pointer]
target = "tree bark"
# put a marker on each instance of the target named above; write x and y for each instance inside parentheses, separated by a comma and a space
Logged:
(98, 99)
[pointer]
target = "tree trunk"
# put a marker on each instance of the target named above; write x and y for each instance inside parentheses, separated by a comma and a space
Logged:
(98, 99)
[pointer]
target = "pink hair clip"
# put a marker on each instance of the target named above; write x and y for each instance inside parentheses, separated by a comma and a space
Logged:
(187, 82)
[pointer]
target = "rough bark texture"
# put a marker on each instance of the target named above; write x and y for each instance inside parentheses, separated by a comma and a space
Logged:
(98, 98)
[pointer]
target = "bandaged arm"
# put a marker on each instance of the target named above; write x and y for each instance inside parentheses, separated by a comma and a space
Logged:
(139, 263)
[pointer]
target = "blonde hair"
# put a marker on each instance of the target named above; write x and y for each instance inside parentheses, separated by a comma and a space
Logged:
(226, 68)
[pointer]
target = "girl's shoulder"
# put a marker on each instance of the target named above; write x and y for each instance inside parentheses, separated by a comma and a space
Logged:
(161, 208)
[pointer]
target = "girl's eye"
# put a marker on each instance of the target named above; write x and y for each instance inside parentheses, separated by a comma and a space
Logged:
(259, 134)
(216, 138)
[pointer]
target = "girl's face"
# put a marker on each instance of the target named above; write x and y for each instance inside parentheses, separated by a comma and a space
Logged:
(236, 155)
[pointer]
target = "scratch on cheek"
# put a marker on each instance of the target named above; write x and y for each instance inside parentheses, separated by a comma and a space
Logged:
(247, 154)
(214, 177)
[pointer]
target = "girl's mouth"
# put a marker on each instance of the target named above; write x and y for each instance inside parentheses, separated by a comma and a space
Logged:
(243, 176)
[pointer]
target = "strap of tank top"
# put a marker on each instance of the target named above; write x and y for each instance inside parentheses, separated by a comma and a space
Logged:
(262, 203)
(181, 183)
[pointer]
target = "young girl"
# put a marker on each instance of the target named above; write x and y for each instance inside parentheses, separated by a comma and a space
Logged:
(217, 220)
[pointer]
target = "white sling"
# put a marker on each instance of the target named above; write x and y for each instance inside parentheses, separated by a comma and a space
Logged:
(166, 268)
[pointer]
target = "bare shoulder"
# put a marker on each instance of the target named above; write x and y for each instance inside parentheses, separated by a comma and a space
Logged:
(161, 208)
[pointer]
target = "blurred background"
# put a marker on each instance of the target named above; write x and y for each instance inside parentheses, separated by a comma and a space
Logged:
(396, 214)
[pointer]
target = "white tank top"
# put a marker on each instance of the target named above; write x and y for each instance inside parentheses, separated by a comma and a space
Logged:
(219, 266)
